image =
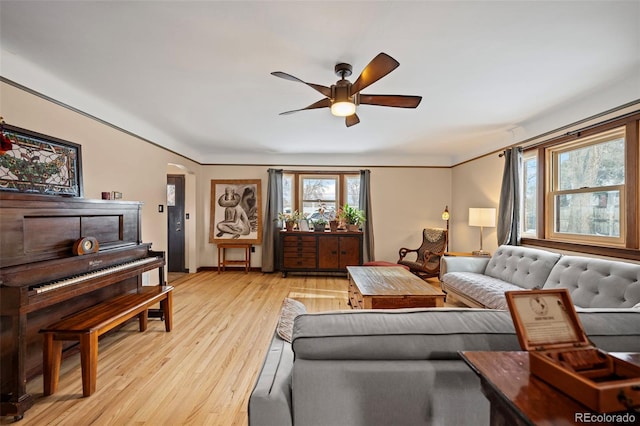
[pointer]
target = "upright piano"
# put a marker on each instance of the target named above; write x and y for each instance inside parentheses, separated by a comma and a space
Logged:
(42, 281)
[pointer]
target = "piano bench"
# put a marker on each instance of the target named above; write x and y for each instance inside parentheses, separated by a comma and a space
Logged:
(86, 326)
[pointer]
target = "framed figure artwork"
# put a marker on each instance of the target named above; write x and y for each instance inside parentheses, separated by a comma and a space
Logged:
(235, 211)
(35, 163)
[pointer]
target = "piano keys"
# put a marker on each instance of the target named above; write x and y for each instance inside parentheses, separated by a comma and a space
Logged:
(84, 278)
(41, 281)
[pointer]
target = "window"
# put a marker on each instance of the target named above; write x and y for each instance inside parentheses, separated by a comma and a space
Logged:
(319, 193)
(585, 200)
(287, 193)
(530, 200)
(580, 190)
(308, 192)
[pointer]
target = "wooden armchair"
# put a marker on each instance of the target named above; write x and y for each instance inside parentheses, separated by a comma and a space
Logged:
(427, 263)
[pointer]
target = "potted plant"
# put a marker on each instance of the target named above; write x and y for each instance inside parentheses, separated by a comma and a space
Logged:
(352, 217)
(290, 219)
(320, 224)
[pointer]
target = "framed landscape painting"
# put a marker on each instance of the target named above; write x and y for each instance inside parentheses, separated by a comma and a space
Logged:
(40, 164)
(235, 211)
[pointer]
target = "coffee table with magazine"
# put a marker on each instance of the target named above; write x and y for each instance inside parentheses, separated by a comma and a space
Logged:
(390, 287)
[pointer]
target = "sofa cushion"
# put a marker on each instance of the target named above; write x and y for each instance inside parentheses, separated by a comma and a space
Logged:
(435, 333)
(487, 291)
(597, 283)
(290, 310)
(522, 266)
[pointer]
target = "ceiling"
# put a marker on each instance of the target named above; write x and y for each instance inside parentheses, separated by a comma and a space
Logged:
(194, 76)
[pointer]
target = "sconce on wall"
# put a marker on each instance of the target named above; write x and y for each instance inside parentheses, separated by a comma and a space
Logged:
(482, 217)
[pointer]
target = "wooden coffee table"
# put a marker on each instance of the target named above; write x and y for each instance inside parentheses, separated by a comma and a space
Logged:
(390, 287)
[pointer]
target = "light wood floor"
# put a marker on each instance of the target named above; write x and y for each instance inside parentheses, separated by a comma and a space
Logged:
(202, 372)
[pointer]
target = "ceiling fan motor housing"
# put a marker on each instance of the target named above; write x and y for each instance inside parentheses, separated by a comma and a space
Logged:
(340, 92)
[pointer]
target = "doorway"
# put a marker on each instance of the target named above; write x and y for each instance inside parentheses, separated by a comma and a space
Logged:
(175, 223)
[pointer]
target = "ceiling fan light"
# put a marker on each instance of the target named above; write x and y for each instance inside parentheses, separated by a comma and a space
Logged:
(343, 109)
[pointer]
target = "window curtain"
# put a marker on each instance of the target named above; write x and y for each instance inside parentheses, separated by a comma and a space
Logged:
(270, 240)
(509, 209)
(365, 205)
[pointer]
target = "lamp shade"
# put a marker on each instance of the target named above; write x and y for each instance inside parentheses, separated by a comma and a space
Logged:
(482, 217)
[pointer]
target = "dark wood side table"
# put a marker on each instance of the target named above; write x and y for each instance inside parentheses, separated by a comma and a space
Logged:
(222, 256)
(518, 398)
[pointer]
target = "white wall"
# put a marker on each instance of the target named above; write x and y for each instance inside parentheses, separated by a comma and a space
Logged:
(404, 201)
(475, 184)
(111, 159)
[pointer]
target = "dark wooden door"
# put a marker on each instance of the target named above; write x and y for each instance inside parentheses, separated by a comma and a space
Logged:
(175, 221)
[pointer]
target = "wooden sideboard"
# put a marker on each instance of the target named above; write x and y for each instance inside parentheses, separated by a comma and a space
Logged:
(319, 251)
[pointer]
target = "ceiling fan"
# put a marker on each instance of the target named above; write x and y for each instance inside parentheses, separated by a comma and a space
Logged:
(343, 97)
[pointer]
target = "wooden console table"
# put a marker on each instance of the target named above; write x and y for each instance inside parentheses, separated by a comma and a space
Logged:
(319, 251)
(222, 256)
(519, 398)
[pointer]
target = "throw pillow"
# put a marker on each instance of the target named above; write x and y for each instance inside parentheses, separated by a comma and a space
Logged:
(290, 310)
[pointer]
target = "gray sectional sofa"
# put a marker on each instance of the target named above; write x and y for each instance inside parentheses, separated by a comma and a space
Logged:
(402, 367)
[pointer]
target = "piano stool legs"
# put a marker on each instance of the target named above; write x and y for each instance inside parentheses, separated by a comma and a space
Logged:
(88, 325)
(51, 357)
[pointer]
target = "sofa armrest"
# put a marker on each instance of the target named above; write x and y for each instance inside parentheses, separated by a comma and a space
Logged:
(474, 264)
(270, 400)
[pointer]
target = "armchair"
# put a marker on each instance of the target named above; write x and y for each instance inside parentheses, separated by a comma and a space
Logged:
(427, 263)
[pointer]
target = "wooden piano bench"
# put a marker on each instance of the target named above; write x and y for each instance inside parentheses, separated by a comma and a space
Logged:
(86, 326)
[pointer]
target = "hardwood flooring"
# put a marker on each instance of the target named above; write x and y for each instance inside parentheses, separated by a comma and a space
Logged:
(202, 372)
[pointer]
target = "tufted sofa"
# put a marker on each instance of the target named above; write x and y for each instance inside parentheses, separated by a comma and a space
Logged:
(592, 283)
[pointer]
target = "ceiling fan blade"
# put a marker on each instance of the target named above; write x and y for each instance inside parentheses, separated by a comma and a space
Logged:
(322, 103)
(351, 120)
(379, 66)
(398, 101)
(322, 89)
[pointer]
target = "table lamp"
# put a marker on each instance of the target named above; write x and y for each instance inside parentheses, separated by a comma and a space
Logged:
(482, 217)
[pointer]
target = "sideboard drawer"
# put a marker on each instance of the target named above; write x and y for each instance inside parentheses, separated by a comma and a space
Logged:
(300, 262)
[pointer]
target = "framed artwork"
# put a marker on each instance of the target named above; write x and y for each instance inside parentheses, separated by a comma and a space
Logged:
(235, 211)
(36, 163)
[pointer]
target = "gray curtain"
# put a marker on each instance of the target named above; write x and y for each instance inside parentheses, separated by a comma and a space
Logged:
(270, 226)
(509, 210)
(365, 205)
